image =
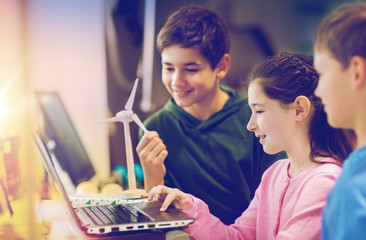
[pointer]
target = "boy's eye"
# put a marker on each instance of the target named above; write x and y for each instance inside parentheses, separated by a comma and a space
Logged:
(258, 112)
(192, 70)
(169, 69)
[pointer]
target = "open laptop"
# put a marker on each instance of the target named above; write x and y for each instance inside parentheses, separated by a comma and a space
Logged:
(68, 149)
(115, 217)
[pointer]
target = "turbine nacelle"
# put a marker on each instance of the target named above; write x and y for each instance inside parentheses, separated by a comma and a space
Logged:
(123, 116)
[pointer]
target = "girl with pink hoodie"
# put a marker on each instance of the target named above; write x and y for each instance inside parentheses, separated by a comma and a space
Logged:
(286, 116)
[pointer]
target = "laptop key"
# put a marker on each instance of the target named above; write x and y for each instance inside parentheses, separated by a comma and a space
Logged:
(92, 216)
(113, 215)
(100, 215)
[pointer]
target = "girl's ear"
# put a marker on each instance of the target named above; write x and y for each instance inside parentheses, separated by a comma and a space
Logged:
(223, 66)
(358, 66)
(303, 107)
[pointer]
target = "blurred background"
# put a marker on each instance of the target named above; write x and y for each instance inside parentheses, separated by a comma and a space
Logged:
(91, 51)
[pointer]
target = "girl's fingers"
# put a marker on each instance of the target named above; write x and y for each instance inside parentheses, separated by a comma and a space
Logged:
(169, 196)
(168, 200)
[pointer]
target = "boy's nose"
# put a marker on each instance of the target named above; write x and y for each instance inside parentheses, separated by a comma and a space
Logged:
(177, 79)
(317, 91)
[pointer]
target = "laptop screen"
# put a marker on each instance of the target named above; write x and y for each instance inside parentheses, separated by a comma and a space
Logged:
(68, 148)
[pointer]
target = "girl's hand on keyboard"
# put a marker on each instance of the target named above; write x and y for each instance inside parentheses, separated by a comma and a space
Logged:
(169, 196)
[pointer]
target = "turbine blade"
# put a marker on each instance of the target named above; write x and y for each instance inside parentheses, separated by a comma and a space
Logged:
(138, 122)
(113, 119)
(130, 100)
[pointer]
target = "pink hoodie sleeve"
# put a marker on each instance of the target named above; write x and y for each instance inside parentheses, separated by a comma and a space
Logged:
(207, 226)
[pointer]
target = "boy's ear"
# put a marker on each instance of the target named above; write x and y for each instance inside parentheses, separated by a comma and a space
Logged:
(303, 107)
(358, 66)
(223, 66)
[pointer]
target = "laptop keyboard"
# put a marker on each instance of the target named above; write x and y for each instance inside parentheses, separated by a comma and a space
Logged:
(114, 214)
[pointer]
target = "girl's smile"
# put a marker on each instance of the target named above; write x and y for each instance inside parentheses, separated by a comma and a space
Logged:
(261, 138)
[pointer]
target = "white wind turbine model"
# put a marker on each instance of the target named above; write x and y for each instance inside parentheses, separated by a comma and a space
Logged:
(126, 116)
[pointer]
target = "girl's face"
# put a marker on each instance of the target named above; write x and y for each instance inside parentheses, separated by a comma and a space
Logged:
(271, 122)
(188, 76)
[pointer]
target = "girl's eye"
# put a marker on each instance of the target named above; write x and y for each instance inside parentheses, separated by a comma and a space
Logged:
(258, 112)
(192, 70)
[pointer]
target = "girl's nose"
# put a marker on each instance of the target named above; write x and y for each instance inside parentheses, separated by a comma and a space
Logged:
(251, 126)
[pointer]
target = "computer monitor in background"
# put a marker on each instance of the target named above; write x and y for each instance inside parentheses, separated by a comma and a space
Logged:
(68, 148)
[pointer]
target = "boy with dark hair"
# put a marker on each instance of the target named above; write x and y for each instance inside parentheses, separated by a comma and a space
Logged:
(211, 154)
(340, 59)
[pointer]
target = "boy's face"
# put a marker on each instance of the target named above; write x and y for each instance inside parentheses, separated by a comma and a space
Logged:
(334, 89)
(188, 76)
